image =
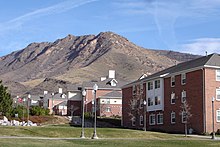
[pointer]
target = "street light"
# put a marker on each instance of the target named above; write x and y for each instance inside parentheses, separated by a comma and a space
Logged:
(52, 102)
(145, 103)
(29, 97)
(83, 98)
(213, 119)
(95, 88)
(23, 110)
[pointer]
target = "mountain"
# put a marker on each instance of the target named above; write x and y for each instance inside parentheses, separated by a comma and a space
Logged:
(82, 58)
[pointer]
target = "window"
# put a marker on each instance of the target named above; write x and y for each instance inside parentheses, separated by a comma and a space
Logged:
(133, 104)
(157, 84)
(173, 98)
(172, 81)
(183, 98)
(183, 78)
(157, 100)
(134, 89)
(217, 75)
(173, 117)
(218, 115)
(133, 120)
(152, 119)
(184, 117)
(150, 85)
(141, 120)
(108, 109)
(159, 118)
(218, 94)
(150, 101)
(107, 101)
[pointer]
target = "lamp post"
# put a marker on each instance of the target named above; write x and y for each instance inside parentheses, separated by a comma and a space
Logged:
(29, 97)
(23, 110)
(52, 102)
(145, 103)
(95, 88)
(213, 119)
(83, 118)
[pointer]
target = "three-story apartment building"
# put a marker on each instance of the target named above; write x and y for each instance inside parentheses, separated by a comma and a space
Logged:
(194, 83)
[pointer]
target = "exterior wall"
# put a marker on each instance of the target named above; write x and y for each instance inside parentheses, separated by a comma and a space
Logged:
(54, 102)
(194, 98)
(131, 112)
(210, 91)
(115, 110)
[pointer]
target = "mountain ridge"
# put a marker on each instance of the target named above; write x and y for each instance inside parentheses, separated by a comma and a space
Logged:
(82, 58)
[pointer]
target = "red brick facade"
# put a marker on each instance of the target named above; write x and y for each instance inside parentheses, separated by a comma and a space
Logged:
(200, 87)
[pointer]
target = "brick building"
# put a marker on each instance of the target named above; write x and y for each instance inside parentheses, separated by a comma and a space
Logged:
(108, 97)
(194, 83)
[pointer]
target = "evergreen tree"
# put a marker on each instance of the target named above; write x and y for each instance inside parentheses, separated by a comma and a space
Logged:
(5, 100)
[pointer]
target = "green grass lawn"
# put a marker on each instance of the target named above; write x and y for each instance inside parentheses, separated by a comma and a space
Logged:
(108, 137)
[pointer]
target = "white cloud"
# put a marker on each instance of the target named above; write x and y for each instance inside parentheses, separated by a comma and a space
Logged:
(201, 45)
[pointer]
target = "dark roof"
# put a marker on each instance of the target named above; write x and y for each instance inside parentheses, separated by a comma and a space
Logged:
(64, 103)
(56, 96)
(113, 94)
(210, 60)
(73, 87)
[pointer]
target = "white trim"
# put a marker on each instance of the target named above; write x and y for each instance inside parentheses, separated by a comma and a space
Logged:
(216, 71)
(183, 117)
(141, 120)
(183, 95)
(218, 89)
(172, 80)
(159, 123)
(210, 66)
(183, 79)
(133, 121)
(172, 97)
(153, 122)
(171, 117)
(217, 115)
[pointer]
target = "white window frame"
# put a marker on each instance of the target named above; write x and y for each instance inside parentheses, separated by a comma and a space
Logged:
(217, 74)
(172, 116)
(218, 94)
(172, 97)
(183, 96)
(183, 78)
(172, 81)
(133, 121)
(183, 117)
(152, 116)
(151, 102)
(142, 88)
(141, 103)
(150, 85)
(217, 115)
(158, 100)
(159, 119)
(141, 120)
(108, 109)
(156, 85)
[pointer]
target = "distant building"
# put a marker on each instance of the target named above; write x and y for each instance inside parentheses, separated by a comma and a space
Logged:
(194, 82)
(108, 97)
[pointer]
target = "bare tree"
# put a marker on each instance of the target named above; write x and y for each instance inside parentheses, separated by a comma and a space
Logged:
(186, 114)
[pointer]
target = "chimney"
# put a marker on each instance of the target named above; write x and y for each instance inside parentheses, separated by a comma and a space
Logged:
(103, 78)
(45, 92)
(111, 74)
(60, 90)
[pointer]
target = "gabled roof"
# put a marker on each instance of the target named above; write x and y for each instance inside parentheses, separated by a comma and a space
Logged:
(210, 60)
(113, 94)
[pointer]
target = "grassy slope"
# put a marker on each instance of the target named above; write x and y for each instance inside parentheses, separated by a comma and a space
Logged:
(112, 137)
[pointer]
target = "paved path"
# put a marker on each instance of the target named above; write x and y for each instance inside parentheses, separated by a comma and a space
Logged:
(52, 138)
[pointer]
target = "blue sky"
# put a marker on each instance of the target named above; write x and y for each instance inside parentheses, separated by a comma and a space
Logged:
(181, 25)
